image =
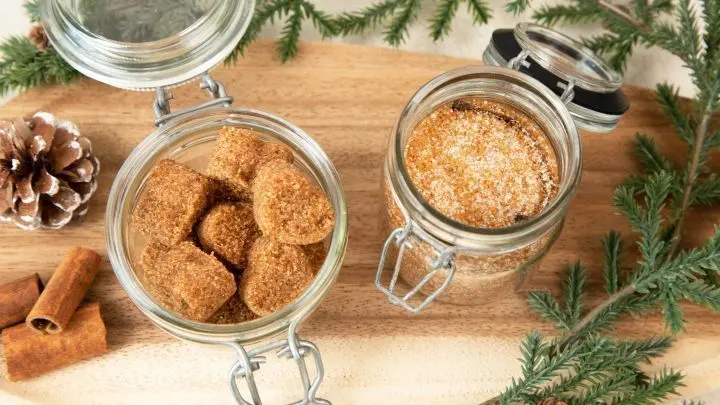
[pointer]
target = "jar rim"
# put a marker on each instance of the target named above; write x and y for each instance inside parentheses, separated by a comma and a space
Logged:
(164, 62)
(145, 154)
(460, 234)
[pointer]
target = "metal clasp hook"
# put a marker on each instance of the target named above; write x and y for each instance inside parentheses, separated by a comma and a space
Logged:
(292, 348)
(215, 89)
(445, 260)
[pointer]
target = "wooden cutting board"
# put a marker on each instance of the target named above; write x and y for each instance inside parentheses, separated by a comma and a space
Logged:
(348, 98)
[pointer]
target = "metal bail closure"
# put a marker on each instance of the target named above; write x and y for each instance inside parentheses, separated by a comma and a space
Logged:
(444, 263)
(215, 89)
(585, 83)
(292, 348)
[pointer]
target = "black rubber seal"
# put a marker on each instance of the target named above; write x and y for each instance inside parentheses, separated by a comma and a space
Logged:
(615, 103)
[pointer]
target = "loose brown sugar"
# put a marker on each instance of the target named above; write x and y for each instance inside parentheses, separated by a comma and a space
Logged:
(234, 311)
(276, 275)
(288, 207)
(482, 163)
(174, 198)
(229, 230)
(187, 280)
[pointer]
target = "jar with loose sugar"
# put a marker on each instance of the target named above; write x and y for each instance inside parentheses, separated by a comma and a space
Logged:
(135, 44)
(482, 166)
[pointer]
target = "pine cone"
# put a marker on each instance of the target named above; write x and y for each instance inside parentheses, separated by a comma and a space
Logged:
(47, 172)
(38, 37)
(552, 401)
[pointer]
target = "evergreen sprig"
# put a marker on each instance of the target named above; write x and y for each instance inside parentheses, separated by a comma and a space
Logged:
(655, 202)
(293, 13)
(24, 66)
(397, 16)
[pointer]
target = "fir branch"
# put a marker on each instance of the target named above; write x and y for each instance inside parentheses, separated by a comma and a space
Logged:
(706, 192)
(24, 66)
(649, 155)
(357, 22)
(574, 285)
(668, 97)
(444, 14)
(396, 33)
(611, 270)
(32, 9)
(661, 386)
(545, 305)
(287, 44)
(552, 15)
(480, 11)
(517, 7)
(264, 13)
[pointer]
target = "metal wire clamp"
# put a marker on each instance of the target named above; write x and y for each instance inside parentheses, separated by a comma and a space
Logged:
(291, 348)
(215, 89)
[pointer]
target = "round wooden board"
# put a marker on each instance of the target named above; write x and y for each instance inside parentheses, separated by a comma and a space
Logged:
(348, 98)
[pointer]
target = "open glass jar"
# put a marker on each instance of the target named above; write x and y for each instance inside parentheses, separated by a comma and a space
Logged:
(107, 41)
(542, 80)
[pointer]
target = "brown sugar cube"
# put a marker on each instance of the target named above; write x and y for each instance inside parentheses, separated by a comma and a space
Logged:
(187, 280)
(234, 311)
(158, 279)
(173, 200)
(236, 153)
(275, 276)
(229, 230)
(202, 284)
(316, 254)
(275, 151)
(288, 207)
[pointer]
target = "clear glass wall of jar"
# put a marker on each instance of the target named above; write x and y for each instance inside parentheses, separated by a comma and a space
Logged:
(441, 258)
(189, 140)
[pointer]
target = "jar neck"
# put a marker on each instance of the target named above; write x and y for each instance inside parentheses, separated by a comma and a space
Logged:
(500, 85)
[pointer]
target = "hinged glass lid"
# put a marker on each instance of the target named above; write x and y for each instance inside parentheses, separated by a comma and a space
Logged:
(145, 44)
(589, 87)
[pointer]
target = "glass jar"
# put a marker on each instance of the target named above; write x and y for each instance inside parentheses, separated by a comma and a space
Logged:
(189, 140)
(547, 80)
(168, 48)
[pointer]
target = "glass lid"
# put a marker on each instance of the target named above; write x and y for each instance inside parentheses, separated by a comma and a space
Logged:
(567, 58)
(145, 44)
(588, 86)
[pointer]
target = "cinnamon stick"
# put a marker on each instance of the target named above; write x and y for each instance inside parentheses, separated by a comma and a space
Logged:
(64, 292)
(17, 299)
(29, 354)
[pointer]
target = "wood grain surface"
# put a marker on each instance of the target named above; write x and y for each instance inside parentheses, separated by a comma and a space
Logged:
(348, 98)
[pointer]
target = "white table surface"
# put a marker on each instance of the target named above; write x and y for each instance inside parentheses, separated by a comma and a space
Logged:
(646, 67)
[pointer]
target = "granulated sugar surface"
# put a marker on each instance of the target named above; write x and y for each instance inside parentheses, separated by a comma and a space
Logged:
(482, 164)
